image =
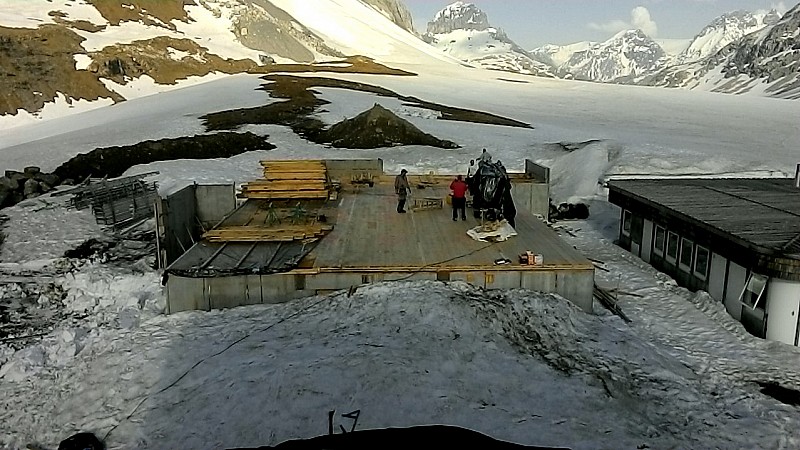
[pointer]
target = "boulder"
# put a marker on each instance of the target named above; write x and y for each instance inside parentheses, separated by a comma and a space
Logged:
(9, 183)
(47, 178)
(5, 194)
(31, 188)
(31, 171)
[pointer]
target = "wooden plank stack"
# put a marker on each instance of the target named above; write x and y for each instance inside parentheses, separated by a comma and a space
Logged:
(289, 179)
(280, 233)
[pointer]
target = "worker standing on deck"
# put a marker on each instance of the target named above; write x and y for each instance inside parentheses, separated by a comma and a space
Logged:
(471, 169)
(459, 188)
(402, 188)
(485, 157)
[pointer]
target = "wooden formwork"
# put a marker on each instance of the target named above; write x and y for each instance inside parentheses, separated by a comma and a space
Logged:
(290, 179)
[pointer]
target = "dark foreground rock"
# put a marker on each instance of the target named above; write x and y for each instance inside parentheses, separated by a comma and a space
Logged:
(112, 162)
(31, 182)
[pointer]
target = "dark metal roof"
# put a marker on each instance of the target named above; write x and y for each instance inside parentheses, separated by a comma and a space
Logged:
(763, 212)
(207, 259)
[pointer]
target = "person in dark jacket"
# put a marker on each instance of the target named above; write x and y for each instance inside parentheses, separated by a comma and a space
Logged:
(402, 188)
(459, 188)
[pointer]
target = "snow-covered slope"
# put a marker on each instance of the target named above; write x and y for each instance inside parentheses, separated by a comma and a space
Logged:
(462, 31)
(627, 56)
(556, 55)
(725, 29)
(91, 54)
(766, 62)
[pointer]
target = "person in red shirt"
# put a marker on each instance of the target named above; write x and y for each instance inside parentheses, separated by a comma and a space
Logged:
(459, 188)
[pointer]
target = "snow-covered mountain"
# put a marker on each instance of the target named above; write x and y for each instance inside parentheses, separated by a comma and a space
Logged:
(462, 30)
(766, 62)
(725, 29)
(556, 55)
(628, 55)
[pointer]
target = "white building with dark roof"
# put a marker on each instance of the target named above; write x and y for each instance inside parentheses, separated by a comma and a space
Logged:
(737, 239)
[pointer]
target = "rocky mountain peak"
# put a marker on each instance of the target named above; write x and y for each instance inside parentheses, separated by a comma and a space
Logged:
(723, 30)
(626, 56)
(395, 11)
(765, 61)
(458, 16)
(770, 54)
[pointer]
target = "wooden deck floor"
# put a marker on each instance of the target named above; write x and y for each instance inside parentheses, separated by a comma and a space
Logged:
(370, 235)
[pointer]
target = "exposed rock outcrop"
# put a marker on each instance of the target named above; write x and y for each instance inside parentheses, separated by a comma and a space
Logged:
(114, 161)
(379, 127)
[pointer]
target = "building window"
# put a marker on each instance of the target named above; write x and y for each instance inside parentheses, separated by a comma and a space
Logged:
(626, 222)
(701, 259)
(685, 262)
(658, 244)
(753, 291)
(672, 247)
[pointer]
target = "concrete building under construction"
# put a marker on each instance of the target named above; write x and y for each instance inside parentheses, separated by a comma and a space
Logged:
(311, 227)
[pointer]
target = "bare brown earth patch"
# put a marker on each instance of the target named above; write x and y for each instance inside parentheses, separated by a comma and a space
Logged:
(153, 57)
(60, 17)
(149, 12)
(35, 64)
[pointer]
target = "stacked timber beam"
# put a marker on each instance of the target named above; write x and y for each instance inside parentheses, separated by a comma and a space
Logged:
(281, 233)
(290, 179)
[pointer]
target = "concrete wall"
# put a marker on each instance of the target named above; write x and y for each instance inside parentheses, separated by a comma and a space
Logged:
(180, 231)
(537, 172)
(533, 197)
(205, 294)
(226, 292)
(214, 202)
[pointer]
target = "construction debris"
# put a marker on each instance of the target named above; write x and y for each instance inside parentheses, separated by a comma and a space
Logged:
(609, 302)
(119, 202)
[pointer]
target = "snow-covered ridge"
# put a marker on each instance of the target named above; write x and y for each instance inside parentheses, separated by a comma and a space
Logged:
(764, 62)
(725, 29)
(628, 55)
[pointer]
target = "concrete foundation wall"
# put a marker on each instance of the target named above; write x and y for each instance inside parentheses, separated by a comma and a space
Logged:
(186, 294)
(533, 197)
(226, 292)
(178, 216)
(214, 202)
(205, 294)
(537, 172)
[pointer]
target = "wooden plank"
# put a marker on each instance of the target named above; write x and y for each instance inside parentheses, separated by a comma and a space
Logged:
(291, 161)
(286, 195)
(286, 185)
(369, 233)
(308, 175)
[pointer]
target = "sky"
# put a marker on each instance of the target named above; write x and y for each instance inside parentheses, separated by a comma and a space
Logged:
(532, 23)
